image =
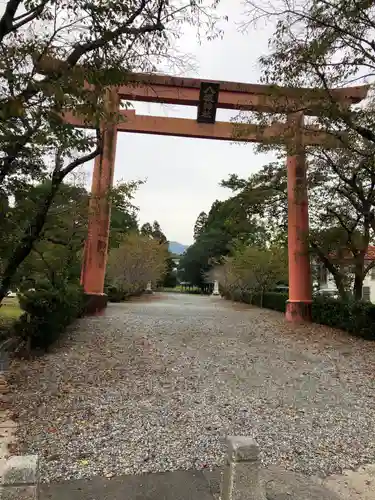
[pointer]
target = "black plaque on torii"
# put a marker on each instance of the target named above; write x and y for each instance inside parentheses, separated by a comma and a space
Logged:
(208, 100)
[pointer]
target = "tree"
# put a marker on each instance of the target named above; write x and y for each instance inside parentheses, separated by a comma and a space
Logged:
(154, 231)
(265, 267)
(252, 269)
(169, 280)
(341, 191)
(138, 260)
(346, 197)
(57, 255)
(264, 194)
(227, 222)
(99, 43)
(123, 212)
(322, 44)
(200, 224)
(146, 230)
(326, 44)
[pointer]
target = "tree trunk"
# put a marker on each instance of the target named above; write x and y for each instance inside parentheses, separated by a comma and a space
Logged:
(30, 236)
(358, 282)
(340, 285)
(337, 275)
(34, 229)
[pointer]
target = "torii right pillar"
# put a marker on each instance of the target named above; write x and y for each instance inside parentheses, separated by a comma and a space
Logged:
(298, 307)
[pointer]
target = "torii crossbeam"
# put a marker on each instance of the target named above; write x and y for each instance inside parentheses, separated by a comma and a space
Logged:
(294, 102)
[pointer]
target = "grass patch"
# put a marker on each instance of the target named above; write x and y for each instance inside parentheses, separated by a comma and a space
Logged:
(10, 311)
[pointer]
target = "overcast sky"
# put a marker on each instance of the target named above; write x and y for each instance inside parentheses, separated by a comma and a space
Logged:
(183, 174)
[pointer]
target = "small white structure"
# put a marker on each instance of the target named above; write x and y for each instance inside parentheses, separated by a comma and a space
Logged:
(216, 288)
(149, 287)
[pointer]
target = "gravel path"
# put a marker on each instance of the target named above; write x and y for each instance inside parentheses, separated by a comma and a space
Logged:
(156, 384)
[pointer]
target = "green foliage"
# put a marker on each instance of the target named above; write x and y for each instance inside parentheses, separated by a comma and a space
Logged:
(154, 231)
(119, 294)
(49, 51)
(227, 223)
(169, 279)
(252, 270)
(322, 45)
(122, 223)
(123, 212)
(269, 300)
(200, 224)
(341, 194)
(138, 260)
(258, 269)
(9, 313)
(47, 313)
(57, 255)
(357, 318)
(264, 195)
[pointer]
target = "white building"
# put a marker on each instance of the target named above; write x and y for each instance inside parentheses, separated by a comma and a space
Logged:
(327, 283)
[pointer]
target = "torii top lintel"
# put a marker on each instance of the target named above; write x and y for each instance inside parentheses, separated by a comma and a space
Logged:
(233, 95)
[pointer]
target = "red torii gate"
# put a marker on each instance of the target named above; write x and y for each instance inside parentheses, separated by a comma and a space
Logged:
(294, 102)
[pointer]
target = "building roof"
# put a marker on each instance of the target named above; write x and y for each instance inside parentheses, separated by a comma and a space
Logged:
(370, 254)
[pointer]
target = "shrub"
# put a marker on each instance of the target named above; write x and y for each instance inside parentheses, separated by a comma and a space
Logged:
(116, 294)
(47, 313)
(238, 296)
(269, 300)
(275, 300)
(357, 318)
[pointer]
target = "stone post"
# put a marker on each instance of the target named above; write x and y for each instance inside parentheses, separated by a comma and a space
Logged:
(241, 480)
(216, 288)
(20, 479)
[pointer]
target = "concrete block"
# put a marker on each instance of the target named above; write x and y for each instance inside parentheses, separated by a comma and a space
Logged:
(242, 449)
(21, 470)
(242, 475)
(19, 493)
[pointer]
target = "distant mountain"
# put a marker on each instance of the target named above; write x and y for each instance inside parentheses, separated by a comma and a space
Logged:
(177, 248)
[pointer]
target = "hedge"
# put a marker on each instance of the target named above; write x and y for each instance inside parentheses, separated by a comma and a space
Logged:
(357, 318)
(116, 294)
(268, 300)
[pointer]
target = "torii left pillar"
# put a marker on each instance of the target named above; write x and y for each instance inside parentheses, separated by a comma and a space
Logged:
(96, 247)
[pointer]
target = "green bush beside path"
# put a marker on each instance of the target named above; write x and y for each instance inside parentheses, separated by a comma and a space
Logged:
(357, 318)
